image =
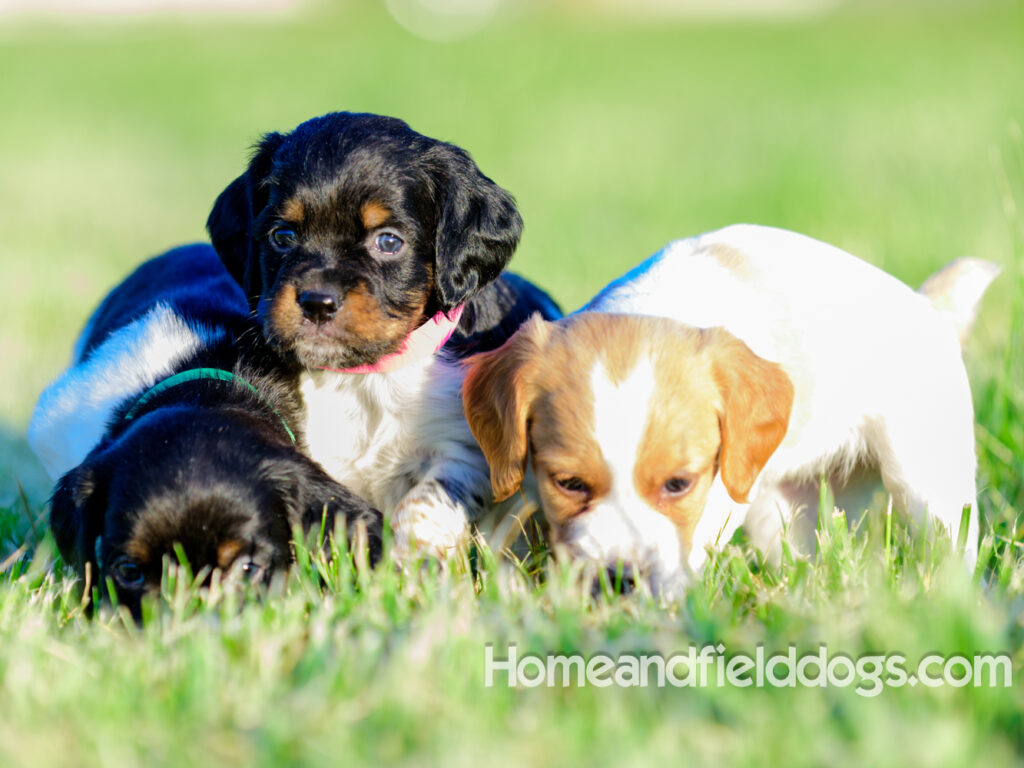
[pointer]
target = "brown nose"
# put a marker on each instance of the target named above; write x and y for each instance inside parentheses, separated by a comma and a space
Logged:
(317, 306)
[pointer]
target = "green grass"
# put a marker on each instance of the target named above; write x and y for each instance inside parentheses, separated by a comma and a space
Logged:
(894, 133)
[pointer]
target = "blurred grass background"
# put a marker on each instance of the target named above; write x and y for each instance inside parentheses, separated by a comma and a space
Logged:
(890, 129)
(879, 128)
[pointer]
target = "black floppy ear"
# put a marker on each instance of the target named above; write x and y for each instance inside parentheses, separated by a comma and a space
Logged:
(230, 222)
(76, 518)
(478, 228)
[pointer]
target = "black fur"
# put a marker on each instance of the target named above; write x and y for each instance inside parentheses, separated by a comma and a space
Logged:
(459, 230)
(207, 465)
(494, 315)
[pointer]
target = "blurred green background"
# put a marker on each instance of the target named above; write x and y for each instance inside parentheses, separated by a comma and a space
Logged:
(892, 129)
(882, 128)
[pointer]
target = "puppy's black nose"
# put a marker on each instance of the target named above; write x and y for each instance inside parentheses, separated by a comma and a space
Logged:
(620, 579)
(318, 306)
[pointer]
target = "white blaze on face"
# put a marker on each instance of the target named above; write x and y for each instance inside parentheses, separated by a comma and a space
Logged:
(620, 421)
(621, 525)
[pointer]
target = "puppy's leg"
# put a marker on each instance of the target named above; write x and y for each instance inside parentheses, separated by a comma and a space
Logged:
(428, 520)
(433, 517)
(927, 462)
(783, 510)
(451, 479)
(721, 517)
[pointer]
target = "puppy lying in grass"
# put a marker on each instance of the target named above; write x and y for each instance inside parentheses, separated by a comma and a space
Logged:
(372, 257)
(715, 384)
(175, 427)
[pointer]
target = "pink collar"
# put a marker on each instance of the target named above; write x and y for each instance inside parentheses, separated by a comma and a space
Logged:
(422, 342)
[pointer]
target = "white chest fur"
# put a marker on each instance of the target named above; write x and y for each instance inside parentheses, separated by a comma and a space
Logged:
(380, 434)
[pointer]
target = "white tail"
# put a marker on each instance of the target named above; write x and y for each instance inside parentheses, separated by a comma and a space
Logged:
(957, 288)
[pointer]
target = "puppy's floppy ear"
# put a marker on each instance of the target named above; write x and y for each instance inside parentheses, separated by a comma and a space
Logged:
(757, 399)
(76, 517)
(230, 222)
(497, 395)
(478, 227)
(319, 500)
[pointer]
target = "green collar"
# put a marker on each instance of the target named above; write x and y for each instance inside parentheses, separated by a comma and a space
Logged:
(197, 374)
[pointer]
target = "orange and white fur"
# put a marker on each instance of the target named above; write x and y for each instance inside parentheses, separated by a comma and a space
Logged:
(714, 384)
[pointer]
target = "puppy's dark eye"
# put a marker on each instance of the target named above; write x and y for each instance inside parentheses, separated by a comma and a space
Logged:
(572, 485)
(388, 243)
(128, 573)
(283, 239)
(251, 571)
(677, 486)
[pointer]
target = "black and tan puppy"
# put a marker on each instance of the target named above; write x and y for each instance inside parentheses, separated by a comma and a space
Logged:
(373, 257)
(171, 429)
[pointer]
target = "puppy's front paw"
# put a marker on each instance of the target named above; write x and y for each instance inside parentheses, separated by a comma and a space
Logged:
(428, 521)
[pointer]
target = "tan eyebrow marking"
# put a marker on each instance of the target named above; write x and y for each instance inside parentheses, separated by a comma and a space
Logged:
(227, 552)
(293, 210)
(374, 214)
(138, 550)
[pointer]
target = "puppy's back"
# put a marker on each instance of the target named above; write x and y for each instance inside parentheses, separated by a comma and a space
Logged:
(145, 327)
(853, 339)
(190, 280)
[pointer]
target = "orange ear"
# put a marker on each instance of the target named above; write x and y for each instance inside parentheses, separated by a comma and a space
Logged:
(757, 398)
(497, 395)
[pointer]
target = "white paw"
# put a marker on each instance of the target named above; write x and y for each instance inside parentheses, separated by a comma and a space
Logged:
(427, 521)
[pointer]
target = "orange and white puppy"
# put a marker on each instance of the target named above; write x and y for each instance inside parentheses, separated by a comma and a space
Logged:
(715, 383)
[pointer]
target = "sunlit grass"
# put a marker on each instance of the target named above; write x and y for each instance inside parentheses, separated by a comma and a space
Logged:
(890, 133)
(390, 665)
